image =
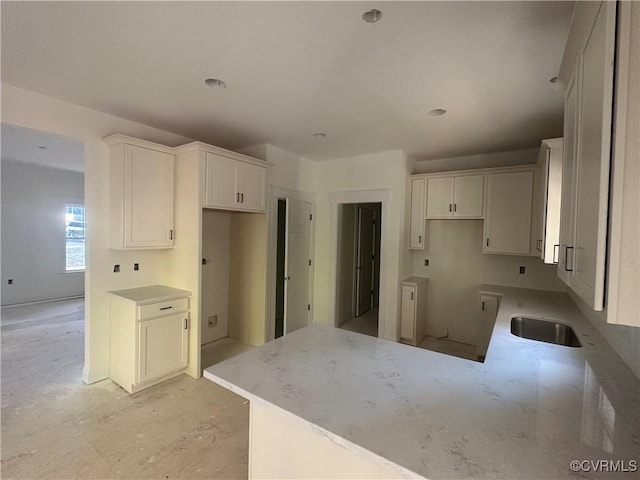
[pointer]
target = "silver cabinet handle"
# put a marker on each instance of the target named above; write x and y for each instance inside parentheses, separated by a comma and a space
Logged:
(449, 207)
(165, 308)
(186, 323)
(419, 238)
(242, 198)
(411, 295)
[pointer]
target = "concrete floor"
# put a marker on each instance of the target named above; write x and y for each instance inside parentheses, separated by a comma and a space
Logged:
(215, 352)
(54, 426)
(368, 325)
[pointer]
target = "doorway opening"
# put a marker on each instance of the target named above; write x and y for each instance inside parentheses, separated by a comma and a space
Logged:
(358, 292)
(293, 266)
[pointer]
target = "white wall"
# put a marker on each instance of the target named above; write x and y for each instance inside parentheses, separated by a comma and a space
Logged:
(457, 268)
(32, 110)
(33, 232)
(484, 160)
(216, 232)
(361, 179)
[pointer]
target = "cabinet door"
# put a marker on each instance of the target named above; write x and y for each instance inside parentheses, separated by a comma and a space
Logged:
(467, 197)
(507, 227)
(440, 197)
(567, 204)
(592, 168)
(220, 188)
(251, 185)
(552, 188)
(416, 226)
(408, 315)
(488, 313)
(148, 198)
(163, 346)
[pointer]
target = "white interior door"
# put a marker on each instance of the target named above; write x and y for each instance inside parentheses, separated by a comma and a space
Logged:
(297, 265)
(365, 259)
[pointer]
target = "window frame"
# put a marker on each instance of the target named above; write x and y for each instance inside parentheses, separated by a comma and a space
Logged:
(68, 205)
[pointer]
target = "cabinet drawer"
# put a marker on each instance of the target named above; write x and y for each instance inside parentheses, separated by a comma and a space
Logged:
(162, 308)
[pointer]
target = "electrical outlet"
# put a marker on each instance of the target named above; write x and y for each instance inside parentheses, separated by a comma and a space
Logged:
(136, 266)
(10, 281)
(212, 321)
(426, 262)
(522, 269)
(116, 268)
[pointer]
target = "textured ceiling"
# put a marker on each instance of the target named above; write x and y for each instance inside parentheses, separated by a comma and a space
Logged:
(295, 68)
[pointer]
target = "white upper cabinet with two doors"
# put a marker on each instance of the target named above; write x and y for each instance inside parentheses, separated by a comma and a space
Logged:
(233, 184)
(455, 197)
(141, 181)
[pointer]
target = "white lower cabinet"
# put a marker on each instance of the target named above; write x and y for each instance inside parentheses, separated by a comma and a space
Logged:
(149, 340)
(413, 320)
(487, 318)
(507, 227)
(163, 346)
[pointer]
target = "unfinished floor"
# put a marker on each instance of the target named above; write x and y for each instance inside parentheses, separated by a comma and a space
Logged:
(54, 426)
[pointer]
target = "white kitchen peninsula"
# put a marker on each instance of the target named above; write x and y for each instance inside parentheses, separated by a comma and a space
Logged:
(328, 403)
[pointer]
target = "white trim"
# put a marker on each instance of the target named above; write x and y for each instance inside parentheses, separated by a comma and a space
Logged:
(37, 302)
(382, 196)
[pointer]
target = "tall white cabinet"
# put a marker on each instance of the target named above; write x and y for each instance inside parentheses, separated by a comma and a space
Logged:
(141, 194)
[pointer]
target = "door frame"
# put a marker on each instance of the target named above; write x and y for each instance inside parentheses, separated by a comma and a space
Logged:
(386, 289)
(358, 267)
(277, 193)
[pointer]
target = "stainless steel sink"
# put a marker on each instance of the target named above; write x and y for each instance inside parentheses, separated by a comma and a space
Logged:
(544, 331)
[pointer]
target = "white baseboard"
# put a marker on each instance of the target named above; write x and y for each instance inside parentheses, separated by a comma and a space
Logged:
(37, 302)
(95, 374)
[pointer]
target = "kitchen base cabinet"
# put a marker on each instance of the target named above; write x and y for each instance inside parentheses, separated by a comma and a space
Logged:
(149, 340)
(487, 318)
(413, 319)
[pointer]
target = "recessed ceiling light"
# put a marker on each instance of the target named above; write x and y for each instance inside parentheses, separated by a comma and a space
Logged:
(320, 135)
(553, 79)
(372, 16)
(436, 112)
(215, 83)
(42, 147)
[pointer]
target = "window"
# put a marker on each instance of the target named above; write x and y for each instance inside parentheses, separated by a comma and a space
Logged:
(74, 241)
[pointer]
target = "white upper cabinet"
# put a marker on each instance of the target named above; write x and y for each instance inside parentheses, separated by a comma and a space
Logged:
(141, 195)
(623, 280)
(416, 225)
(234, 185)
(588, 162)
(455, 197)
(550, 163)
(507, 227)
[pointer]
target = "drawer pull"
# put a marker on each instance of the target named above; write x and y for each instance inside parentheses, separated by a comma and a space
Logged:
(165, 308)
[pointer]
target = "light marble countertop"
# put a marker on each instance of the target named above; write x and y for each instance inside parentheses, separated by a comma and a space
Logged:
(151, 294)
(527, 412)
